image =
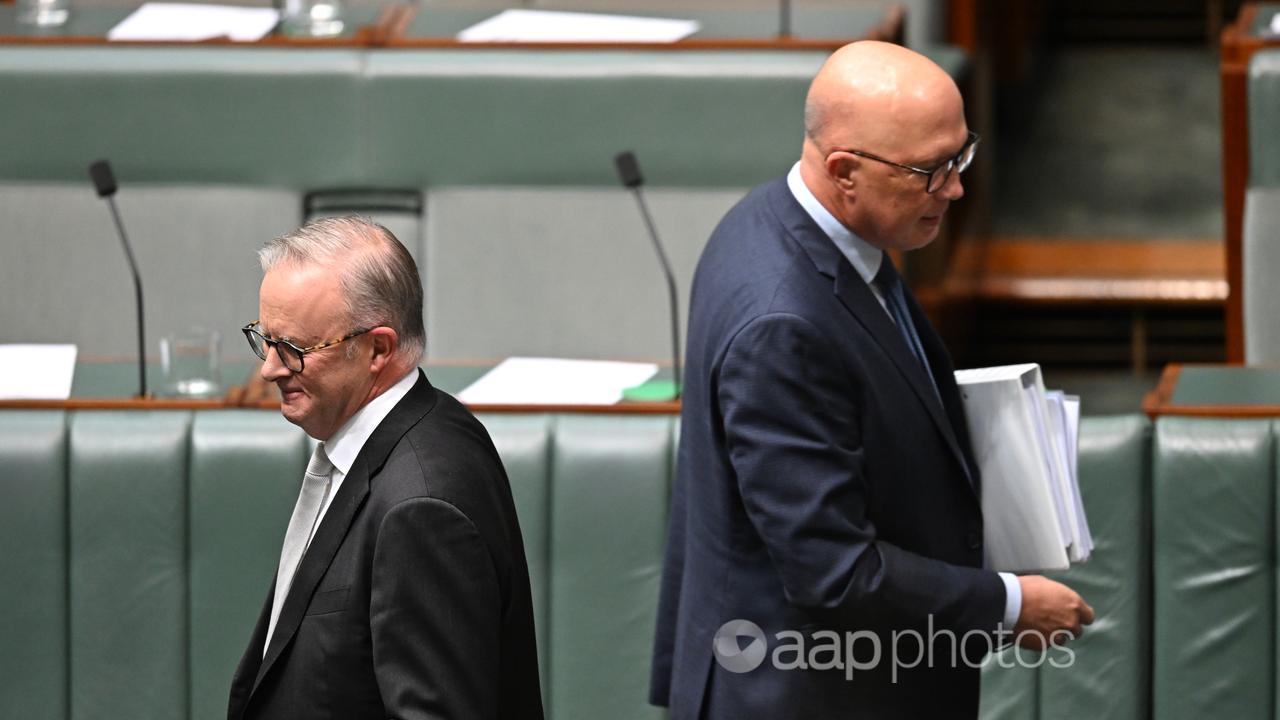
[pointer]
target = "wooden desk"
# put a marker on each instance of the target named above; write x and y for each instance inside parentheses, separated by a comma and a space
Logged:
(1226, 391)
(1240, 41)
(410, 25)
(365, 26)
(102, 386)
(419, 26)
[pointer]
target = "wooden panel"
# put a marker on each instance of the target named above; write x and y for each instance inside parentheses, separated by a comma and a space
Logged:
(1159, 402)
(1113, 271)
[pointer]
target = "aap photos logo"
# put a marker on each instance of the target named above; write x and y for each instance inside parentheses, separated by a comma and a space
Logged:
(740, 646)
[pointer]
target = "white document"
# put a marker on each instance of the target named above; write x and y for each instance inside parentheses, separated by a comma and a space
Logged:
(189, 22)
(36, 372)
(1025, 446)
(552, 381)
(556, 26)
(1275, 23)
(1071, 408)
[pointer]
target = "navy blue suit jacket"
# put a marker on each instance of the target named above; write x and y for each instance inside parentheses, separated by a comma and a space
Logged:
(821, 485)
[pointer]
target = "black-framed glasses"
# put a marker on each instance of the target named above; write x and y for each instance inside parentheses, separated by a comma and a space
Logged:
(938, 176)
(290, 355)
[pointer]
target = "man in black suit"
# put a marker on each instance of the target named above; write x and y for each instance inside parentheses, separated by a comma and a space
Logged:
(826, 496)
(402, 589)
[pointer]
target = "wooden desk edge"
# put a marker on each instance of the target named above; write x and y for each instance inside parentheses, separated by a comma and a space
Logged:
(1156, 402)
(629, 408)
(891, 28)
(1159, 402)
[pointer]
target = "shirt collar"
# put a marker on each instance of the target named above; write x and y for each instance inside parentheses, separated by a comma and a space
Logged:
(346, 443)
(864, 256)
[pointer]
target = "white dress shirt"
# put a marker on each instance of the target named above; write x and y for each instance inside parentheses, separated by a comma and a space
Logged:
(865, 259)
(346, 443)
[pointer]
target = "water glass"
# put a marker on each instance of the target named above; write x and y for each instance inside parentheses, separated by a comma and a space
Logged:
(189, 364)
(312, 18)
(43, 13)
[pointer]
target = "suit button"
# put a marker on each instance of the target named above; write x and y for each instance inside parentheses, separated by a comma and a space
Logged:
(975, 540)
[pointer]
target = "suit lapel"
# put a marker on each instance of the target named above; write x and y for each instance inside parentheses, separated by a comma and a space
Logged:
(857, 299)
(333, 529)
(245, 679)
(338, 519)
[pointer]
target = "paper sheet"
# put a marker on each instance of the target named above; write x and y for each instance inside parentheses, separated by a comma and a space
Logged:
(556, 26)
(1275, 24)
(189, 22)
(36, 372)
(552, 381)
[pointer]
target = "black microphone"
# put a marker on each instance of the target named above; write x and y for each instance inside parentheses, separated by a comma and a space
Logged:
(784, 21)
(104, 181)
(629, 173)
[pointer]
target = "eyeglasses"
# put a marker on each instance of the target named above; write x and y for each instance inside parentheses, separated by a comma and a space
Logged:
(290, 355)
(939, 175)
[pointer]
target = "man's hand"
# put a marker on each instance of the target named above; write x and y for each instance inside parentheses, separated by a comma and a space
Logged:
(1050, 610)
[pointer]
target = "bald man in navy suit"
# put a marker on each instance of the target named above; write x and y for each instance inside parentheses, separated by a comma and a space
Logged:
(826, 488)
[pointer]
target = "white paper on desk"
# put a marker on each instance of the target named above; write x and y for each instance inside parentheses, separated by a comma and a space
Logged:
(552, 381)
(1022, 517)
(36, 372)
(557, 26)
(1275, 23)
(190, 22)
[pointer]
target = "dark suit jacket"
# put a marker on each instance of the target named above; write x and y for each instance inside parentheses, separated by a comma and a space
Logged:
(413, 599)
(820, 485)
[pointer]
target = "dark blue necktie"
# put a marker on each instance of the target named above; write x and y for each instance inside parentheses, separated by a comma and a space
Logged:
(895, 301)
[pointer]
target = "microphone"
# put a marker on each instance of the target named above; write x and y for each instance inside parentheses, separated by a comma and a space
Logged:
(104, 181)
(629, 173)
(784, 20)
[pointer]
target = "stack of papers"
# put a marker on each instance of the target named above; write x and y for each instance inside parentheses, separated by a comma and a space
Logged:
(36, 372)
(189, 22)
(1025, 440)
(566, 27)
(552, 381)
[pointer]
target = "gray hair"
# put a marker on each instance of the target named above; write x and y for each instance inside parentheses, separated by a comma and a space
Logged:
(379, 277)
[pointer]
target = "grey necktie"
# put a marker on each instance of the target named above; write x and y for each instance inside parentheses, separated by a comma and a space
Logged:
(315, 488)
(890, 284)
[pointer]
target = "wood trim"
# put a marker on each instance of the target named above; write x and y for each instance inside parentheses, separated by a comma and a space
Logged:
(1114, 271)
(1155, 402)
(624, 408)
(115, 404)
(1220, 411)
(1159, 402)
(778, 44)
(962, 24)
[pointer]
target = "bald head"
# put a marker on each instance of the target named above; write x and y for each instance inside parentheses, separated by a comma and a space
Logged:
(873, 108)
(868, 90)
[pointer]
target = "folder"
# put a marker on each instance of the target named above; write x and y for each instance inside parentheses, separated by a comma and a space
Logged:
(1025, 443)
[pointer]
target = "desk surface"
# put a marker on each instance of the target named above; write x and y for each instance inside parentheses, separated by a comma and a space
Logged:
(108, 386)
(89, 25)
(1215, 391)
(407, 25)
(811, 28)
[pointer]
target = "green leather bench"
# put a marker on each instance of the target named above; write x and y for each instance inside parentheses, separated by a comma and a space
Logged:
(1109, 678)
(1215, 569)
(138, 546)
